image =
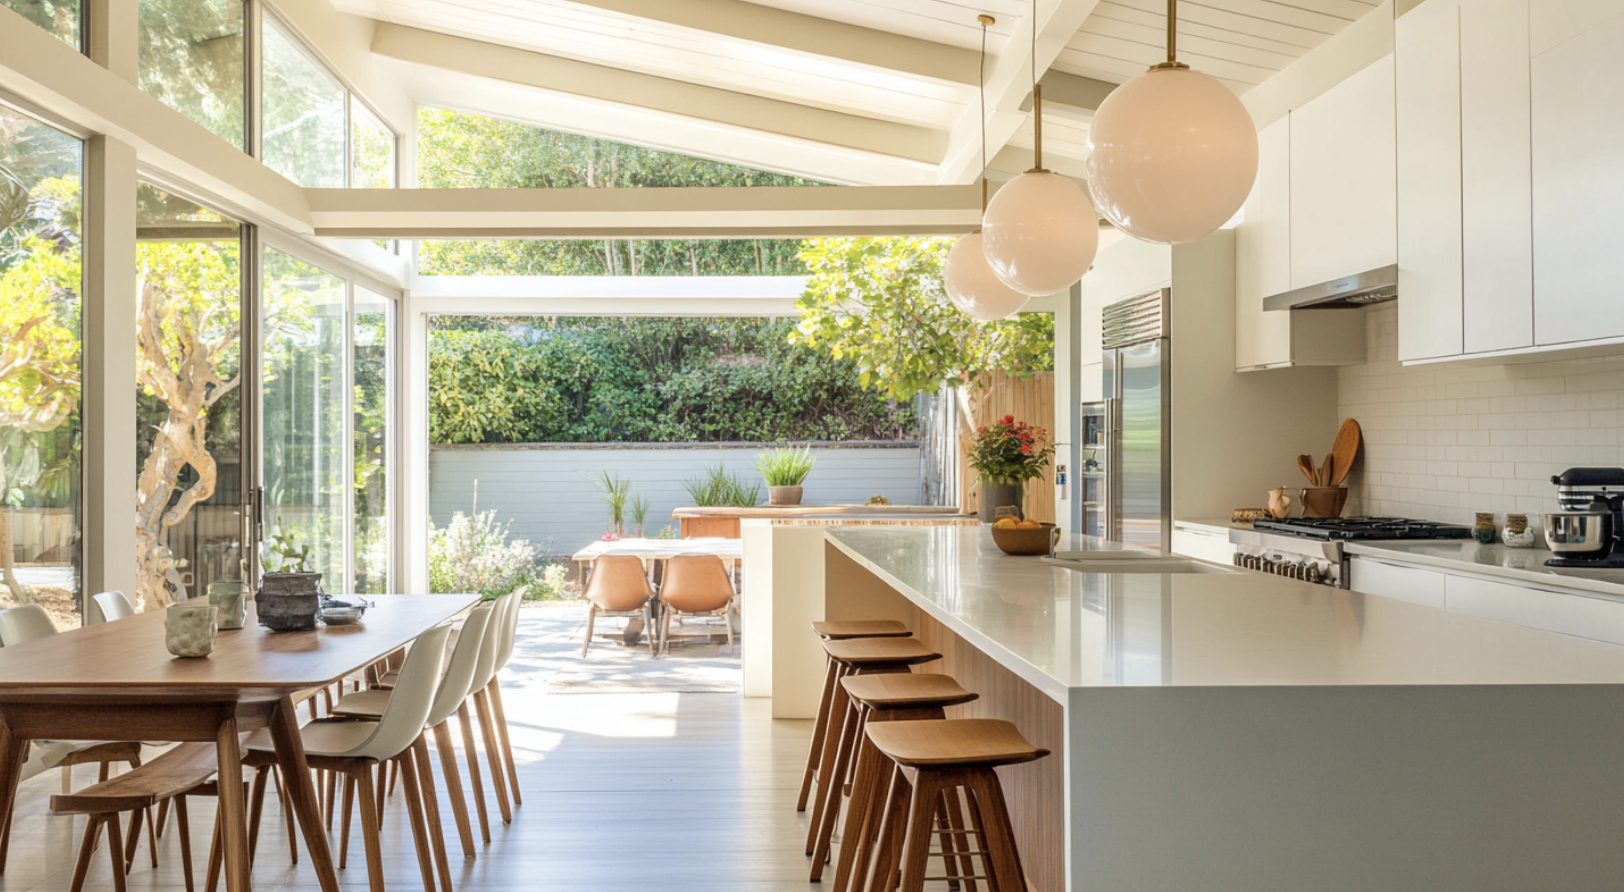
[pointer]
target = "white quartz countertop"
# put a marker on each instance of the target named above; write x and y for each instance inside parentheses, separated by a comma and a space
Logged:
(1063, 630)
(1524, 565)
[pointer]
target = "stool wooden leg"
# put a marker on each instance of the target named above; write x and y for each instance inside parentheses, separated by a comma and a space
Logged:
(861, 816)
(882, 871)
(997, 835)
(927, 790)
(815, 752)
(835, 732)
(831, 794)
(959, 834)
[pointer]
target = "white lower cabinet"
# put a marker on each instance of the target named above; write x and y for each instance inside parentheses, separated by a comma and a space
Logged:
(1203, 545)
(1403, 582)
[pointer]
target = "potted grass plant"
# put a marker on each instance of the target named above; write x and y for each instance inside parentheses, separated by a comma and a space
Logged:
(785, 469)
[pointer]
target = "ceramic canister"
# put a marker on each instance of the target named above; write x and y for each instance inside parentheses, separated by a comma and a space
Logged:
(231, 598)
(1483, 530)
(190, 627)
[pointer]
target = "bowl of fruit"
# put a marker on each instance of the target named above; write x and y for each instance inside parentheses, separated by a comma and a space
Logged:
(1024, 537)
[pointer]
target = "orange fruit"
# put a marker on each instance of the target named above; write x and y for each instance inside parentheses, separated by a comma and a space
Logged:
(1029, 525)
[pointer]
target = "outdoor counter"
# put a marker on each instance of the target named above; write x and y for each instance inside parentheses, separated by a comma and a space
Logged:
(1241, 731)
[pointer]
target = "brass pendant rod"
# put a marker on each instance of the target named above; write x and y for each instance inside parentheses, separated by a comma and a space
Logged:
(1037, 126)
(1172, 31)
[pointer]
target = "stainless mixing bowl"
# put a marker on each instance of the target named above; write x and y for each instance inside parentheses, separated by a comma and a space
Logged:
(1580, 533)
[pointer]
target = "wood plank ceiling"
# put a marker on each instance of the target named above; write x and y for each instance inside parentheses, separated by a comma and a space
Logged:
(931, 85)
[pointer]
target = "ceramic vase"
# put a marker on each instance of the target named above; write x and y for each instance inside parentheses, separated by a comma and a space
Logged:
(999, 495)
(1483, 530)
(231, 599)
(189, 629)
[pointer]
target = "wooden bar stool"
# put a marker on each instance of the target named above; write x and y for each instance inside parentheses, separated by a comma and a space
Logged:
(838, 631)
(881, 698)
(854, 656)
(937, 758)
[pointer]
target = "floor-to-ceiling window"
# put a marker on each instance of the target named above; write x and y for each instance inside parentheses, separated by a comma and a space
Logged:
(370, 371)
(41, 174)
(305, 120)
(189, 374)
(60, 17)
(191, 59)
(303, 448)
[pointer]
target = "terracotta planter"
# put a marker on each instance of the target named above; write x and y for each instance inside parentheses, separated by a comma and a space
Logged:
(1000, 495)
(783, 496)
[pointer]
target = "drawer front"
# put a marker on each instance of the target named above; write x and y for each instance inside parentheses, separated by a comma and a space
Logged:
(1598, 619)
(1411, 584)
(1203, 546)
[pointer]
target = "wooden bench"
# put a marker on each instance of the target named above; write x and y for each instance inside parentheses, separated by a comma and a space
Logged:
(168, 777)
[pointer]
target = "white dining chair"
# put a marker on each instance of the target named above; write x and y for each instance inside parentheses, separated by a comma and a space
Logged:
(104, 607)
(453, 689)
(356, 749)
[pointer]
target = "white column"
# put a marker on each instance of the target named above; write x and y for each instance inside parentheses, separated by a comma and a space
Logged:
(412, 412)
(112, 30)
(109, 366)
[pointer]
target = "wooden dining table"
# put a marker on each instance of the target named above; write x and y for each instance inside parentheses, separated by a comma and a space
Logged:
(117, 681)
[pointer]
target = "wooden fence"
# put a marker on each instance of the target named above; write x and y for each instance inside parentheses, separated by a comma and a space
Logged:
(1029, 399)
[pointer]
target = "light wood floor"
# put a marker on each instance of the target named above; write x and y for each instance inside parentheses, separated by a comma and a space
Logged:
(622, 791)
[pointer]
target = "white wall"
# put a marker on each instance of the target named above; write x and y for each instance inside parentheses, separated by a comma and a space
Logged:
(1445, 441)
(543, 488)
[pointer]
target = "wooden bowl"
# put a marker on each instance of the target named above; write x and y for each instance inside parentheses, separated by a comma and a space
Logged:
(1025, 542)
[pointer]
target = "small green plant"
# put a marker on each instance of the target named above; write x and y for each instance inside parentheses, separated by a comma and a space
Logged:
(286, 551)
(615, 491)
(786, 465)
(666, 532)
(640, 505)
(717, 488)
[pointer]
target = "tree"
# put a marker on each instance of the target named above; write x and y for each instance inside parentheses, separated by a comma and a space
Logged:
(880, 302)
(188, 358)
(457, 150)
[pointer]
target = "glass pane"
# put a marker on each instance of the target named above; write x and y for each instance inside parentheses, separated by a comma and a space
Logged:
(41, 172)
(192, 61)
(371, 432)
(304, 405)
(304, 114)
(189, 482)
(372, 148)
(60, 17)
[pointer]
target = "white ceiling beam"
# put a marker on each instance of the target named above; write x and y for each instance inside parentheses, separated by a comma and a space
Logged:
(1009, 83)
(807, 34)
(86, 98)
(698, 213)
(542, 71)
(1070, 92)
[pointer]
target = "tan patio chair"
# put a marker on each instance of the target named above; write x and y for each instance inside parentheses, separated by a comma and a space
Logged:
(618, 586)
(696, 585)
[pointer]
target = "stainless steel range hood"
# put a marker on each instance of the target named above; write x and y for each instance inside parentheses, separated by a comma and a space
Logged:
(1362, 290)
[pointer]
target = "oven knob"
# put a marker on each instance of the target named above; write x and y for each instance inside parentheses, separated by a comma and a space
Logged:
(1238, 559)
(1314, 574)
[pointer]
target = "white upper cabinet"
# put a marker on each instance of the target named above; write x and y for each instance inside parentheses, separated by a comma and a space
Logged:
(1263, 255)
(1578, 187)
(1496, 175)
(1344, 218)
(1427, 51)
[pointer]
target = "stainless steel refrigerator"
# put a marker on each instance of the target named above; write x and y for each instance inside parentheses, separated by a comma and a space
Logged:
(1136, 492)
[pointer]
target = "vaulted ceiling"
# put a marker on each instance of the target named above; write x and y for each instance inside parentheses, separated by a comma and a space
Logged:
(857, 91)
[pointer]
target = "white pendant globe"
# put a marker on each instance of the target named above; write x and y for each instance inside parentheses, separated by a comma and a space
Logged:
(971, 285)
(1174, 155)
(1040, 233)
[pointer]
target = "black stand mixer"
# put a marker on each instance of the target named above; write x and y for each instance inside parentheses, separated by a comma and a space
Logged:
(1589, 530)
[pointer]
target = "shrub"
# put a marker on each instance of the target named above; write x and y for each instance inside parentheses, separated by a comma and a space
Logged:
(473, 554)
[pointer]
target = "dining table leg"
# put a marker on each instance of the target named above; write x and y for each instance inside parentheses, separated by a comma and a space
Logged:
(233, 808)
(12, 749)
(290, 756)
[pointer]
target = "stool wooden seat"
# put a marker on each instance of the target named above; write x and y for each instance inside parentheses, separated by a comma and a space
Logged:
(936, 759)
(877, 698)
(855, 656)
(835, 630)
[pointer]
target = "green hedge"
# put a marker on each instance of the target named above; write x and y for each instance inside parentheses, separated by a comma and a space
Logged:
(644, 380)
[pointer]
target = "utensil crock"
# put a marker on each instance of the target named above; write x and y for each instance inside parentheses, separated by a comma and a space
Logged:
(1324, 501)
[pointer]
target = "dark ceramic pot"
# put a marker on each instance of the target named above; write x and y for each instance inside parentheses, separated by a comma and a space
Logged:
(288, 602)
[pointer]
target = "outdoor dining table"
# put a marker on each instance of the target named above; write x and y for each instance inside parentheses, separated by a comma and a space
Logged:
(117, 681)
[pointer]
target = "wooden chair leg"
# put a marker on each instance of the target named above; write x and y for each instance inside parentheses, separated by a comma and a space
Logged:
(727, 618)
(394, 775)
(815, 752)
(134, 839)
(378, 791)
(369, 826)
(329, 784)
(256, 809)
(344, 822)
(474, 781)
(431, 808)
(495, 691)
(453, 786)
(591, 620)
(163, 819)
(115, 852)
(493, 754)
(666, 615)
(183, 827)
(211, 881)
(86, 847)
(286, 800)
(413, 790)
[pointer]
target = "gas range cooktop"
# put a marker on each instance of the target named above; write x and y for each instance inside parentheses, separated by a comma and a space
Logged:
(1348, 528)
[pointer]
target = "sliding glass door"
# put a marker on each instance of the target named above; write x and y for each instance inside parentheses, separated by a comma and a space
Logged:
(370, 350)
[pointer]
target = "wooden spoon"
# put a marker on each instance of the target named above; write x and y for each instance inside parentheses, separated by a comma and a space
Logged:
(1344, 451)
(1325, 473)
(1306, 465)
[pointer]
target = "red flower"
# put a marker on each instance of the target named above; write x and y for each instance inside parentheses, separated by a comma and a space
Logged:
(1027, 449)
(1009, 419)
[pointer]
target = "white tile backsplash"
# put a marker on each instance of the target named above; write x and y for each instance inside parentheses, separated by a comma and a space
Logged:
(1445, 441)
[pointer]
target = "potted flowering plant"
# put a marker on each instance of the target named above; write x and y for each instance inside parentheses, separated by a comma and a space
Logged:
(1007, 454)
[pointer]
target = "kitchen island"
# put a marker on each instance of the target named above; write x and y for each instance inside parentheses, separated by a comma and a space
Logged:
(1228, 730)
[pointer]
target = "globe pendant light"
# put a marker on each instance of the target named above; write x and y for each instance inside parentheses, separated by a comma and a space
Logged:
(1173, 153)
(969, 281)
(1039, 232)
